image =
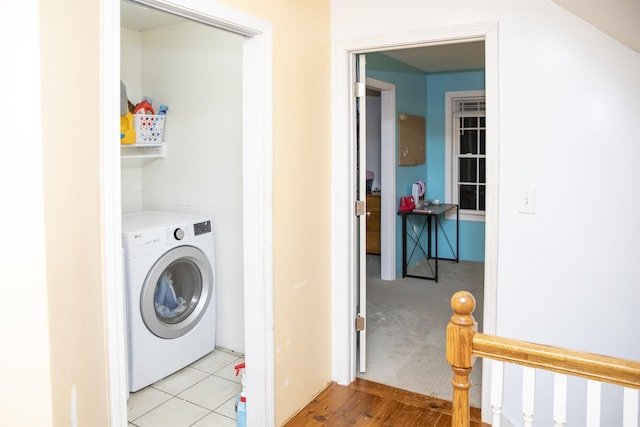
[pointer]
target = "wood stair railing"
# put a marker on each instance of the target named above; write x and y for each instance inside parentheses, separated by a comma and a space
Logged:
(463, 343)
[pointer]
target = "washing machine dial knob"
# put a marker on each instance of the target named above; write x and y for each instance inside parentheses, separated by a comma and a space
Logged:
(178, 234)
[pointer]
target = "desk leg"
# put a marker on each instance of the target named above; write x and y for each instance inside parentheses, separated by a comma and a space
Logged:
(429, 237)
(436, 229)
(404, 246)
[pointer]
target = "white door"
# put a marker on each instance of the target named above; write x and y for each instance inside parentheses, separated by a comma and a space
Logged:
(362, 209)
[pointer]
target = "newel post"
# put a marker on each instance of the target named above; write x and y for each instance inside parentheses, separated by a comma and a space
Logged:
(460, 331)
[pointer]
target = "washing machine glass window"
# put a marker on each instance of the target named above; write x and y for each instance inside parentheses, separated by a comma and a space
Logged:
(176, 292)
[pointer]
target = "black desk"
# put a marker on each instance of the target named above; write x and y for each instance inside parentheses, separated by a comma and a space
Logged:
(432, 220)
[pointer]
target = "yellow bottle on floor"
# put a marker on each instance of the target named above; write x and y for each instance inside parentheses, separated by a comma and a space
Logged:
(127, 130)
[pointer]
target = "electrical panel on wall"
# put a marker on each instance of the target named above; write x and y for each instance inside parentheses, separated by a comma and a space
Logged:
(411, 140)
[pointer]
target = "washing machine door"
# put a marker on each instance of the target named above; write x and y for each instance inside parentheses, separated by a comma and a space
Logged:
(177, 292)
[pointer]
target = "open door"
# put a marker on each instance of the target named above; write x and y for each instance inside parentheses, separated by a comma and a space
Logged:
(361, 208)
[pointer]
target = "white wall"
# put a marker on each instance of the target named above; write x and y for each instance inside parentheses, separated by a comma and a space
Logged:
(568, 127)
(131, 76)
(196, 71)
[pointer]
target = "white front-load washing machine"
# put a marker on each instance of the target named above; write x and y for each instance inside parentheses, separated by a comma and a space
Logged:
(170, 290)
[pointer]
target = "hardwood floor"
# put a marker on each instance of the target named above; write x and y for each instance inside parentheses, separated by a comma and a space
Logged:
(365, 403)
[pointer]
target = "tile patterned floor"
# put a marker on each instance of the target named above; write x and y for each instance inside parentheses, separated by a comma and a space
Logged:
(201, 395)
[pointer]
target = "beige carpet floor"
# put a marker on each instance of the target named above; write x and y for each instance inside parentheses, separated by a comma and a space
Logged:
(406, 328)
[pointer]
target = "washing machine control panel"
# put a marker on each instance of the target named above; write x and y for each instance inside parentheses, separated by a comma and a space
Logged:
(202, 228)
(178, 233)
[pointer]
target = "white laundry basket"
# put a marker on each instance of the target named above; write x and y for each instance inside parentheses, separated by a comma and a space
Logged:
(149, 128)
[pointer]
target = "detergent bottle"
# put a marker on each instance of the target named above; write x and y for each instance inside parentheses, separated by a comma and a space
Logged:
(127, 129)
(144, 107)
(241, 407)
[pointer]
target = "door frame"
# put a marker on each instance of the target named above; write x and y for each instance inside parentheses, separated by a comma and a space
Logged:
(387, 176)
(257, 140)
(343, 244)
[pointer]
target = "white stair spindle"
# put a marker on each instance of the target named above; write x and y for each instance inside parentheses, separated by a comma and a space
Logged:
(630, 408)
(559, 400)
(528, 395)
(593, 403)
(497, 377)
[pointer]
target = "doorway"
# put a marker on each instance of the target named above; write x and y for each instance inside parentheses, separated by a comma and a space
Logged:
(257, 188)
(406, 318)
(345, 258)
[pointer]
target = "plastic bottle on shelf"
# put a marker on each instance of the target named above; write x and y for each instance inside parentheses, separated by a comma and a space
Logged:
(144, 107)
(127, 130)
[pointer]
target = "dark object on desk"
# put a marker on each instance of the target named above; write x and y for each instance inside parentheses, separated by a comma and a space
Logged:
(430, 212)
(369, 176)
(424, 208)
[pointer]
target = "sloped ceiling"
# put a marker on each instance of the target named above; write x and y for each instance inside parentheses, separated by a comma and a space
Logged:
(618, 18)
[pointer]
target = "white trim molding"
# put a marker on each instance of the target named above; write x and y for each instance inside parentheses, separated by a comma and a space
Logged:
(387, 177)
(257, 169)
(450, 158)
(113, 269)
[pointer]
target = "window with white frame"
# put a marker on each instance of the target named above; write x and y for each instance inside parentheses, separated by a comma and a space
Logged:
(466, 152)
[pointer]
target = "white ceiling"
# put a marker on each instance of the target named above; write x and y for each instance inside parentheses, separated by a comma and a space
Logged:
(446, 57)
(134, 16)
(618, 18)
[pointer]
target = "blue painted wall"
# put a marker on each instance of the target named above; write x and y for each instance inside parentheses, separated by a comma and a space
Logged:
(424, 94)
(471, 232)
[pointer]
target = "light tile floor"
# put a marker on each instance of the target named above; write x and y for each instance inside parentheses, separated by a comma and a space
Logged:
(201, 395)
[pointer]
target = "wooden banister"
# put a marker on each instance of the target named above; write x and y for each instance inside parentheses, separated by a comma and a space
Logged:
(463, 342)
(591, 366)
(459, 347)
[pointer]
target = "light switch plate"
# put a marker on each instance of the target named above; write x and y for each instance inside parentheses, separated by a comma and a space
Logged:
(527, 201)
